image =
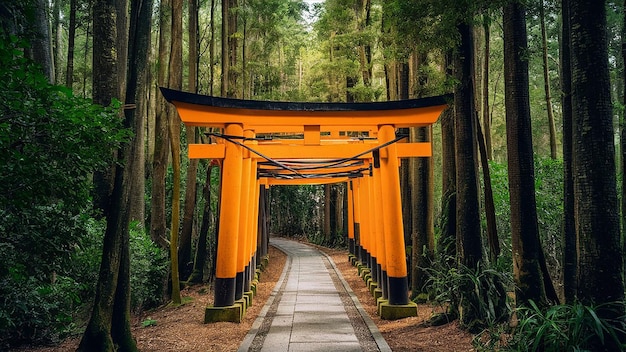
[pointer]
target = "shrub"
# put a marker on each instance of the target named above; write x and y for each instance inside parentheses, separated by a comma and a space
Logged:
(567, 327)
(148, 270)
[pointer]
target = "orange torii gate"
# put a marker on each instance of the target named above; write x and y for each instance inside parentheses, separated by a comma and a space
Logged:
(282, 143)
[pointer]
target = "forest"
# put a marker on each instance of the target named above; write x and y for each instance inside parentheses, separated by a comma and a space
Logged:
(516, 224)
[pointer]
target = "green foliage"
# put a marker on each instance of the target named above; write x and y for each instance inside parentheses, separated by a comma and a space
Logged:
(567, 327)
(549, 198)
(148, 322)
(295, 210)
(50, 144)
(148, 269)
(452, 285)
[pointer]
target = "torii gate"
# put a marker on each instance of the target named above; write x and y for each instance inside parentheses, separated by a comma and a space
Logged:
(334, 142)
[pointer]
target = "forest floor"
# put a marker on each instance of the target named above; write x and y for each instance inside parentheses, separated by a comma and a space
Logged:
(181, 328)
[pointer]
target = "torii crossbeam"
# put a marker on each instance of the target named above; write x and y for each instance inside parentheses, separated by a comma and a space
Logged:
(283, 143)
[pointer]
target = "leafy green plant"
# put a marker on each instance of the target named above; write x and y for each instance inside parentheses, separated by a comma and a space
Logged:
(148, 269)
(148, 322)
(568, 327)
(450, 282)
(51, 142)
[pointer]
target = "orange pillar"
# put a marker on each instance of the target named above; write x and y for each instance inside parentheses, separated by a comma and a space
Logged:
(226, 263)
(366, 220)
(379, 230)
(394, 233)
(357, 184)
(350, 225)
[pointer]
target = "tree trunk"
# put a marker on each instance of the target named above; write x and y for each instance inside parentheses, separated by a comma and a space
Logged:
(490, 208)
(423, 236)
(596, 205)
(485, 109)
(468, 232)
(57, 37)
(109, 326)
(71, 40)
(122, 45)
(327, 212)
(469, 242)
(546, 81)
(569, 229)
(199, 263)
(527, 251)
(184, 251)
(175, 82)
(231, 29)
(41, 41)
(158, 218)
(446, 245)
(105, 85)
(623, 142)
(212, 50)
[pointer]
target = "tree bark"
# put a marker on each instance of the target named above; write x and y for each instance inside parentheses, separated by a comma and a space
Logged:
(105, 86)
(446, 245)
(161, 138)
(468, 234)
(184, 252)
(527, 251)
(71, 40)
(175, 82)
(600, 263)
(41, 41)
(423, 235)
(569, 229)
(485, 102)
(623, 142)
(109, 326)
(546, 81)
(199, 263)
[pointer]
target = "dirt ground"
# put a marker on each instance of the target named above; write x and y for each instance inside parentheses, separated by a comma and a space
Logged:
(181, 328)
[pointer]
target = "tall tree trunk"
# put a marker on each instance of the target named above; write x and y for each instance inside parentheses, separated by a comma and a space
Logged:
(158, 218)
(231, 75)
(105, 85)
(184, 251)
(109, 325)
(199, 263)
(485, 107)
(327, 212)
(546, 81)
(41, 41)
(446, 245)
(623, 142)
(212, 50)
(531, 282)
(423, 235)
(600, 263)
(490, 208)
(468, 232)
(122, 45)
(569, 228)
(71, 40)
(175, 82)
(57, 37)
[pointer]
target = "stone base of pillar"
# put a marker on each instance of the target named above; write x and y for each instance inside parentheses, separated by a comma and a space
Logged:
(394, 312)
(233, 314)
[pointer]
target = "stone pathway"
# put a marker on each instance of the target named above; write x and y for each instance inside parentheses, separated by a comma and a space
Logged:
(312, 308)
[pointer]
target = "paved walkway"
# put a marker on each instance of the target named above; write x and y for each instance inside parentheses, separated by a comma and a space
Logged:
(312, 308)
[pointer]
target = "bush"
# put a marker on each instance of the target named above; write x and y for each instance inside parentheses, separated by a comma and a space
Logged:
(567, 327)
(51, 142)
(148, 270)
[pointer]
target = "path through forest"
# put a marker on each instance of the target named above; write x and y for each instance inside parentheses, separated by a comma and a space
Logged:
(181, 328)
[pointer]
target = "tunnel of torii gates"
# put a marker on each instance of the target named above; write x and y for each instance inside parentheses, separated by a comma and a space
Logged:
(264, 143)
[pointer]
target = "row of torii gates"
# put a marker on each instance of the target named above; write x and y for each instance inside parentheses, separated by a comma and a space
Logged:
(281, 143)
